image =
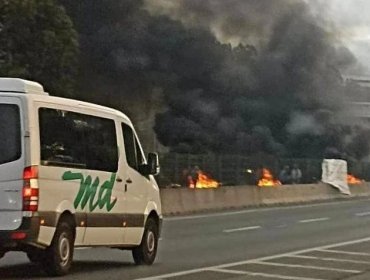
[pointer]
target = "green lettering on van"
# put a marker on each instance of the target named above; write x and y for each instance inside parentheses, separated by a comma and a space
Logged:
(88, 193)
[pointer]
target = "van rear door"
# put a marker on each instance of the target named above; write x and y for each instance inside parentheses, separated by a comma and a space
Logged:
(12, 163)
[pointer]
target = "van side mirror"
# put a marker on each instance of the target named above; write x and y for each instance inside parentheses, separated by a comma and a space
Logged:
(153, 164)
(152, 167)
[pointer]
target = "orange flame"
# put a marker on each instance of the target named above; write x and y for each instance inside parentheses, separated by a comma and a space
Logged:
(353, 180)
(203, 182)
(267, 179)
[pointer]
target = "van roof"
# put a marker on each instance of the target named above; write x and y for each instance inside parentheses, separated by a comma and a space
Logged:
(35, 91)
(20, 86)
(73, 103)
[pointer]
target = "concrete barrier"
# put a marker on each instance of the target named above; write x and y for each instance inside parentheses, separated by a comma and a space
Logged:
(185, 201)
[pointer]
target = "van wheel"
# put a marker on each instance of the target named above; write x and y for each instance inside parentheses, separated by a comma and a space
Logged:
(146, 252)
(35, 255)
(59, 255)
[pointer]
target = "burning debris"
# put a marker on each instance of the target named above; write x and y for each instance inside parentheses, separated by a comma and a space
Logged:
(201, 181)
(267, 179)
(351, 179)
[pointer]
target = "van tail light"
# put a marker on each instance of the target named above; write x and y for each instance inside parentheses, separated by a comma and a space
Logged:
(18, 235)
(30, 172)
(30, 189)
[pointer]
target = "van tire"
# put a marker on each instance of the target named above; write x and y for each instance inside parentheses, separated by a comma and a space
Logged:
(59, 255)
(146, 252)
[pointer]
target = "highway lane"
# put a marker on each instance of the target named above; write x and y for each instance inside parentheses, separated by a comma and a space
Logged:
(216, 240)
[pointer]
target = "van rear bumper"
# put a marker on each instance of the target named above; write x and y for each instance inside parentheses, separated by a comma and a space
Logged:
(26, 234)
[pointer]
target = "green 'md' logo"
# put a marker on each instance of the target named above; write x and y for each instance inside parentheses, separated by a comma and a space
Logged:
(91, 193)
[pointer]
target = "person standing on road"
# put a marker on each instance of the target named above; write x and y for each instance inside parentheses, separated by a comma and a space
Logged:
(194, 173)
(296, 174)
(285, 175)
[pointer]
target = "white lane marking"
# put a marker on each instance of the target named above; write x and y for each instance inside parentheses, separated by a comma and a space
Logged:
(282, 226)
(267, 275)
(314, 220)
(192, 217)
(308, 267)
(240, 229)
(228, 271)
(361, 214)
(345, 252)
(289, 254)
(328, 259)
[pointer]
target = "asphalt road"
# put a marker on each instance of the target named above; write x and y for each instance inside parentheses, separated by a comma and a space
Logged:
(310, 242)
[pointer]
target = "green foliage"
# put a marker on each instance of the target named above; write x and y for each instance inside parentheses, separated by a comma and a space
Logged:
(38, 42)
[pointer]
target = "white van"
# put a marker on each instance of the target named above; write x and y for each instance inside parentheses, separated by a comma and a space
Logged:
(72, 174)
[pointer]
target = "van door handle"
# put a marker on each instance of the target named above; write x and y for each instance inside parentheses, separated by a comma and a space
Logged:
(119, 180)
(128, 181)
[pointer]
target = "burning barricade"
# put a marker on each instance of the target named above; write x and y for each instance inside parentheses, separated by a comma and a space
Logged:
(351, 179)
(267, 179)
(197, 179)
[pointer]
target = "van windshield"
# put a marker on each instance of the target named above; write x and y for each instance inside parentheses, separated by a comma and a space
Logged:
(10, 133)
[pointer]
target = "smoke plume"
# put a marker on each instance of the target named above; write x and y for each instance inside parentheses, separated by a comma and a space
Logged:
(277, 77)
(236, 76)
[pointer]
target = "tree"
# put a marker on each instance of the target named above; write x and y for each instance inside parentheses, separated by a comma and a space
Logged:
(38, 42)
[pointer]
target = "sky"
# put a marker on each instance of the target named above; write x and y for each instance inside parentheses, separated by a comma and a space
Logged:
(350, 20)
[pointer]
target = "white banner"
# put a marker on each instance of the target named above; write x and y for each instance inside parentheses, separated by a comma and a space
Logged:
(334, 172)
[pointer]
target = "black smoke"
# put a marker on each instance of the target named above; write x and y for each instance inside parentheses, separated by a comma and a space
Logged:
(280, 94)
(236, 77)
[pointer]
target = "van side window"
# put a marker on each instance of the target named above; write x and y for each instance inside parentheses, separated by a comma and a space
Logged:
(134, 155)
(139, 154)
(77, 140)
(10, 136)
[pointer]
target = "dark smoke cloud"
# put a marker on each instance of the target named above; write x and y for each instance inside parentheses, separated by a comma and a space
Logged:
(233, 20)
(274, 88)
(236, 76)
